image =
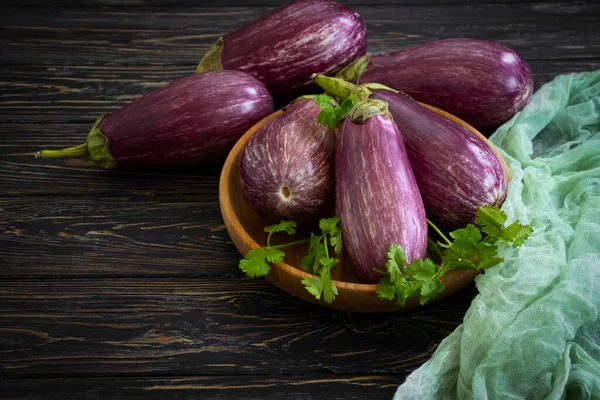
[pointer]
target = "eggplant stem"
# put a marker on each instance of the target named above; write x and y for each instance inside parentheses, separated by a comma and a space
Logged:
(295, 242)
(435, 228)
(78, 151)
(335, 86)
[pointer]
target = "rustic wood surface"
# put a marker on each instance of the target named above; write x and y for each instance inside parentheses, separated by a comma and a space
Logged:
(125, 285)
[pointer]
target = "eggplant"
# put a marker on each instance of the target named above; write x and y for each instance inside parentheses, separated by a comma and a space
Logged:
(286, 169)
(456, 170)
(484, 83)
(377, 197)
(282, 49)
(188, 122)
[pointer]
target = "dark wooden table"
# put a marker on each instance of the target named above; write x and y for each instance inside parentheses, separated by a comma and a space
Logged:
(126, 285)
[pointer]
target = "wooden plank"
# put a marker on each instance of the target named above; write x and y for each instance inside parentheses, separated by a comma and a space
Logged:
(138, 35)
(114, 236)
(84, 328)
(235, 387)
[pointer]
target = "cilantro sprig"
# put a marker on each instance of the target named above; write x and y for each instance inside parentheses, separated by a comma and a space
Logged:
(330, 114)
(318, 259)
(474, 246)
(256, 262)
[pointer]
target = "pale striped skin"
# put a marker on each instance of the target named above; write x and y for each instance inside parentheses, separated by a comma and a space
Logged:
(377, 196)
(456, 170)
(285, 47)
(187, 122)
(295, 152)
(481, 82)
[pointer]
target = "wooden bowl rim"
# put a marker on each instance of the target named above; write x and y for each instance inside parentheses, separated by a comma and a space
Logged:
(226, 203)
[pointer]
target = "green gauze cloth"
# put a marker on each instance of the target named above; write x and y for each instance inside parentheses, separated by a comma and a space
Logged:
(533, 331)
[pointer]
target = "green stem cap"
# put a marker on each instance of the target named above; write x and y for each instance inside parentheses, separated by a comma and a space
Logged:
(212, 59)
(96, 147)
(367, 109)
(352, 72)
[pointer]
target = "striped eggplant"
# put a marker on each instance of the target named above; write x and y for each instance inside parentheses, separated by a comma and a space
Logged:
(484, 83)
(187, 122)
(285, 47)
(286, 170)
(456, 170)
(377, 197)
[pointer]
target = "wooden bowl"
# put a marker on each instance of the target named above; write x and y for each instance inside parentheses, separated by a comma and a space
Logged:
(246, 230)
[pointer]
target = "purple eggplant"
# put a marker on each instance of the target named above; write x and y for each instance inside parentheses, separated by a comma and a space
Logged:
(286, 169)
(456, 170)
(187, 122)
(282, 49)
(484, 83)
(377, 197)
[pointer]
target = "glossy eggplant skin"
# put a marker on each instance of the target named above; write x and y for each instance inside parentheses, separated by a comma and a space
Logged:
(282, 49)
(187, 122)
(483, 83)
(456, 170)
(377, 197)
(286, 169)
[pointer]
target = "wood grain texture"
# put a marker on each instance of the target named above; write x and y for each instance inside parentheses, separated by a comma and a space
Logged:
(303, 387)
(125, 36)
(204, 327)
(64, 236)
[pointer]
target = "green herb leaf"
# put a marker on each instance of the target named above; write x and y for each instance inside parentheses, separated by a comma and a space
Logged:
(420, 270)
(469, 249)
(287, 226)
(332, 116)
(490, 219)
(329, 226)
(324, 101)
(316, 251)
(385, 289)
(255, 264)
(395, 261)
(430, 289)
(328, 263)
(313, 286)
(517, 233)
(329, 289)
(274, 255)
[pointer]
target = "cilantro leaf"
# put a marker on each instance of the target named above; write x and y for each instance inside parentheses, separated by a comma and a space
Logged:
(324, 101)
(403, 291)
(395, 261)
(254, 264)
(469, 249)
(329, 225)
(328, 263)
(420, 270)
(313, 286)
(316, 251)
(332, 116)
(385, 289)
(517, 233)
(274, 255)
(430, 289)
(329, 289)
(287, 226)
(490, 219)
